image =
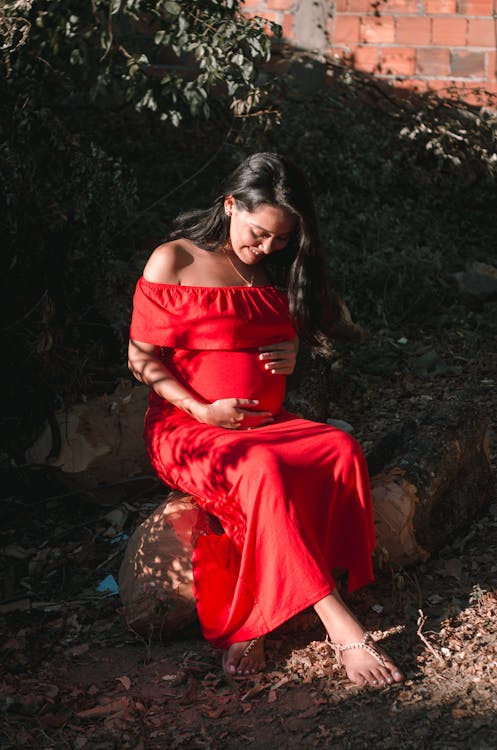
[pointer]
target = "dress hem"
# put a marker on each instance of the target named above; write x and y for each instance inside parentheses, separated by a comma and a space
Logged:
(278, 622)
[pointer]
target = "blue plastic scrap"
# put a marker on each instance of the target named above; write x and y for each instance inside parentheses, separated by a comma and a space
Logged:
(109, 586)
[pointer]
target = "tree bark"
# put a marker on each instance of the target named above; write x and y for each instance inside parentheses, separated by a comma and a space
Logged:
(435, 478)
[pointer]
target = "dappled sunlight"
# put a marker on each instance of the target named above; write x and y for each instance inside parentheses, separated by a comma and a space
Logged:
(156, 577)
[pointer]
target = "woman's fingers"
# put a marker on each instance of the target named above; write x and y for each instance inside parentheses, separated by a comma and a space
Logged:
(245, 402)
(279, 358)
(231, 414)
(283, 366)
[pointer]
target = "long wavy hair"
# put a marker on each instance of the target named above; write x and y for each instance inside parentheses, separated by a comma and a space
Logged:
(300, 268)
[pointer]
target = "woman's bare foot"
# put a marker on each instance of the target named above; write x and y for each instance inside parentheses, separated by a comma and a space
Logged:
(242, 659)
(364, 666)
(369, 666)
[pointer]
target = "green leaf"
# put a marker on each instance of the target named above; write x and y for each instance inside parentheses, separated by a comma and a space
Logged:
(233, 87)
(160, 36)
(183, 24)
(173, 8)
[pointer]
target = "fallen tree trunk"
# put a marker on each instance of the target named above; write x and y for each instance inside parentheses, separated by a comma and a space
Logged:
(431, 479)
(435, 477)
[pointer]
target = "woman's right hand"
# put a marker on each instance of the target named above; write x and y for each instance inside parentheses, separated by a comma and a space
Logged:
(231, 413)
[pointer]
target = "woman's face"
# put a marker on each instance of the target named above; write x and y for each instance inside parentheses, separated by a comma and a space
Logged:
(255, 234)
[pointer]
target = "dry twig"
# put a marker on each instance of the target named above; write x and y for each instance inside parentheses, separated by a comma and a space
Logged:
(420, 623)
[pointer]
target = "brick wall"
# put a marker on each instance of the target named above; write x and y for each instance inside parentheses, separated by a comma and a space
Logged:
(421, 44)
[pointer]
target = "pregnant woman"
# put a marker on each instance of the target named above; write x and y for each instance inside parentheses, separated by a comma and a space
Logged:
(214, 334)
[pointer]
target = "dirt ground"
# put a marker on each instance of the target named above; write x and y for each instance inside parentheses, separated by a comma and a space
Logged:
(73, 677)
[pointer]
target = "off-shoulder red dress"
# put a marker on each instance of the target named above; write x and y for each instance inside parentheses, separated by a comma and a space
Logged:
(292, 496)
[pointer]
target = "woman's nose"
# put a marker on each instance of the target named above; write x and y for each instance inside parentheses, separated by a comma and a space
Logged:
(267, 245)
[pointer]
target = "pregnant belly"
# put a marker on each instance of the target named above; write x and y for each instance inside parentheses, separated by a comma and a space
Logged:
(216, 374)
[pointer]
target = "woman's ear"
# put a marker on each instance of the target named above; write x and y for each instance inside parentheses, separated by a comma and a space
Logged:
(229, 203)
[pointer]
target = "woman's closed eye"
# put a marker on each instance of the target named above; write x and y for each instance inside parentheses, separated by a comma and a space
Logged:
(261, 237)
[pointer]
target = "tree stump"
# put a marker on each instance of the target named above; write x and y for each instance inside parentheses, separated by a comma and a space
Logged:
(431, 478)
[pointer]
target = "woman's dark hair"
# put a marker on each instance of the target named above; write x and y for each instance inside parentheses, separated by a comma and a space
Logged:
(268, 178)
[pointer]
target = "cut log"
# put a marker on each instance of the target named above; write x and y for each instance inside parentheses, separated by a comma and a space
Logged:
(155, 577)
(435, 477)
(101, 437)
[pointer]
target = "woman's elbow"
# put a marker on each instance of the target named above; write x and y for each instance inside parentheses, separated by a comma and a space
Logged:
(133, 356)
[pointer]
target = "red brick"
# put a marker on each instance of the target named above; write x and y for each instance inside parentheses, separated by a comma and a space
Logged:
(340, 6)
(466, 64)
(449, 31)
(413, 84)
(397, 61)
(433, 62)
(366, 59)
(490, 90)
(470, 92)
(440, 6)
(476, 7)
(413, 30)
(361, 6)
(345, 30)
(445, 86)
(401, 6)
(378, 30)
(268, 15)
(288, 26)
(481, 32)
(281, 5)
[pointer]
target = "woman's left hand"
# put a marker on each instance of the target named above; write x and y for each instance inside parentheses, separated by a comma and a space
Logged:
(280, 359)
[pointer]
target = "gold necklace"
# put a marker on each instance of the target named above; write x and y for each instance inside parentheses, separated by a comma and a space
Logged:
(249, 282)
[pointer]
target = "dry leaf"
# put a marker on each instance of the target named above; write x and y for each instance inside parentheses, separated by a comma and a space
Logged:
(125, 681)
(79, 650)
(213, 713)
(113, 707)
(255, 690)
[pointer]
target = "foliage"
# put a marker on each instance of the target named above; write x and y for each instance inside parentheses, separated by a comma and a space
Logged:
(64, 197)
(170, 57)
(87, 89)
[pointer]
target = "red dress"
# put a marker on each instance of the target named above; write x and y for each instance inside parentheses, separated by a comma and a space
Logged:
(292, 496)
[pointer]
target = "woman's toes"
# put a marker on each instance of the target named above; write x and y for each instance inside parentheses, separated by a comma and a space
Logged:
(242, 659)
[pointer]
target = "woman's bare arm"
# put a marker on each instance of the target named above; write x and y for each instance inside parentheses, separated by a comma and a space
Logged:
(146, 365)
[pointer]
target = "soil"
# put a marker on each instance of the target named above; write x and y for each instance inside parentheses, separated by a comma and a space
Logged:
(73, 676)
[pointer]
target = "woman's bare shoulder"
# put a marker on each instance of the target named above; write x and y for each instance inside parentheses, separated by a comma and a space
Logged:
(167, 260)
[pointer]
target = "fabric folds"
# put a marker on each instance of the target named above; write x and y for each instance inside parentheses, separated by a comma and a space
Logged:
(292, 496)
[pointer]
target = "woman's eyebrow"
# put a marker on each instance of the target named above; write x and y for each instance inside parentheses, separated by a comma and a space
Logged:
(279, 234)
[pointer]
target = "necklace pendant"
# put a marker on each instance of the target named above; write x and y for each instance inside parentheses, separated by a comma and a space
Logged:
(248, 282)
